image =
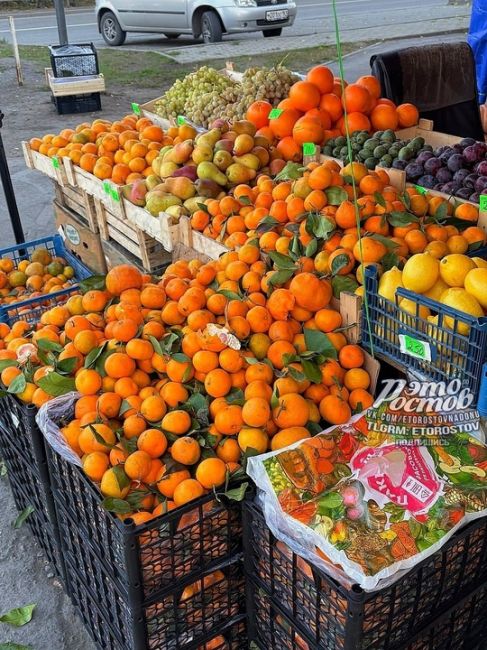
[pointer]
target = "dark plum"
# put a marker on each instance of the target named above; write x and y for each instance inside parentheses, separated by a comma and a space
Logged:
(480, 184)
(414, 171)
(427, 181)
(455, 162)
(458, 148)
(450, 188)
(463, 193)
(399, 164)
(467, 142)
(475, 197)
(481, 168)
(432, 165)
(443, 175)
(481, 148)
(460, 175)
(469, 181)
(423, 157)
(446, 155)
(442, 149)
(471, 155)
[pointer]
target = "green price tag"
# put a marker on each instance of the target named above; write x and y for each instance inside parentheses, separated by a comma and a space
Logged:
(114, 194)
(414, 347)
(181, 120)
(55, 162)
(309, 149)
(275, 113)
(421, 190)
(106, 187)
(136, 108)
(483, 202)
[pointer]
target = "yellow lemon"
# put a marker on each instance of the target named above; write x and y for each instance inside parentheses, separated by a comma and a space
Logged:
(476, 285)
(420, 272)
(454, 268)
(461, 300)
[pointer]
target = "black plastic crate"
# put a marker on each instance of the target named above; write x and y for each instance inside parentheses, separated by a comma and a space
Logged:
(78, 103)
(184, 616)
(24, 435)
(74, 60)
(463, 627)
(152, 556)
(337, 618)
(30, 487)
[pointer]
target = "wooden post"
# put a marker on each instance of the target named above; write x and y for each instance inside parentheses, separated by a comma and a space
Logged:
(20, 76)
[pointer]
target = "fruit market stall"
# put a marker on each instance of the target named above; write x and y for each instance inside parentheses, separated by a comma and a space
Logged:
(263, 248)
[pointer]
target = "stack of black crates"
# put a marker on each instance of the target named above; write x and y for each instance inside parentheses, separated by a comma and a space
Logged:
(80, 60)
(440, 604)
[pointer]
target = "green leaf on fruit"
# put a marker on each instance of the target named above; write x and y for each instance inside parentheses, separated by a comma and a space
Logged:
(19, 616)
(23, 516)
(7, 363)
(290, 172)
(203, 207)
(319, 342)
(238, 493)
(330, 501)
(343, 283)
(230, 295)
(55, 384)
(180, 357)
(49, 346)
(379, 199)
(122, 479)
(319, 225)
(339, 262)
(93, 283)
(312, 371)
(311, 248)
(397, 218)
(93, 355)
(118, 506)
(441, 211)
(266, 224)
(279, 278)
(66, 366)
(388, 243)
(281, 261)
(17, 385)
(336, 195)
(389, 260)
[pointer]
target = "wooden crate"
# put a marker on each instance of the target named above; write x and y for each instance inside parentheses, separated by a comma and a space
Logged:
(424, 129)
(66, 86)
(143, 247)
(162, 228)
(79, 238)
(52, 167)
(79, 202)
(198, 242)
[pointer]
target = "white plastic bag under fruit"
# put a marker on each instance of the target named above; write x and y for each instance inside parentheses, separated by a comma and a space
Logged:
(50, 416)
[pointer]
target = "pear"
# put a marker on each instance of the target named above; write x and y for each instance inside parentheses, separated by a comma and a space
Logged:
(202, 153)
(243, 144)
(158, 201)
(194, 202)
(180, 186)
(224, 145)
(244, 126)
(210, 137)
(222, 160)
(207, 170)
(389, 282)
(152, 181)
(136, 192)
(207, 188)
(177, 211)
(248, 160)
(180, 153)
(167, 169)
(238, 173)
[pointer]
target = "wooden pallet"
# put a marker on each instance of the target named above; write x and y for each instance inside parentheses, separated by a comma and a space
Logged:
(198, 242)
(424, 129)
(79, 202)
(143, 247)
(52, 167)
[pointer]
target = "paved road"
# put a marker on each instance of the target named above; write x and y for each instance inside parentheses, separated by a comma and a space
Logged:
(38, 27)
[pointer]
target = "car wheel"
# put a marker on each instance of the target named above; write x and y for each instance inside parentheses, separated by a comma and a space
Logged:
(211, 27)
(272, 32)
(111, 31)
(168, 35)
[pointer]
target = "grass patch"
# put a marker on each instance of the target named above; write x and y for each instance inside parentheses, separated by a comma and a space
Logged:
(154, 70)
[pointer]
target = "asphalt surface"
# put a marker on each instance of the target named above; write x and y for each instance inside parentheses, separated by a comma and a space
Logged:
(38, 27)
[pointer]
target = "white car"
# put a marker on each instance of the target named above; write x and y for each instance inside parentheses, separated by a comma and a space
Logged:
(210, 20)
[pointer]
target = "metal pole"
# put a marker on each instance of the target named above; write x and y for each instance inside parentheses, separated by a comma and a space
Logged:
(9, 191)
(61, 22)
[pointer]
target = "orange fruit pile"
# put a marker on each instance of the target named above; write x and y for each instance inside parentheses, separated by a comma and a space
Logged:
(120, 151)
(315, 111)
(180, 378)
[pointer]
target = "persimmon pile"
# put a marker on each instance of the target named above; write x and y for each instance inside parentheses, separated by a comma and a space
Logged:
(180, 379)
(315, 111)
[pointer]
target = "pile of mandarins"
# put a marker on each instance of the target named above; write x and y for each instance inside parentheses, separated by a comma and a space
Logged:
(179, 379)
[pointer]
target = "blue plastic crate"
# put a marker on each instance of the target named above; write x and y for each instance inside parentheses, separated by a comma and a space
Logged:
(453, 354)
(31, 309)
